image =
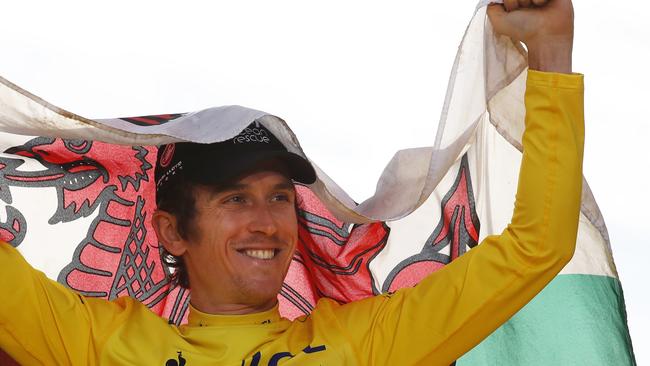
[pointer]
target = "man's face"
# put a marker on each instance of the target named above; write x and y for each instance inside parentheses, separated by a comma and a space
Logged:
(244, 236)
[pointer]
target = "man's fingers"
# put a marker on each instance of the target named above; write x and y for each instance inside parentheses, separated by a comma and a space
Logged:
(500, 22)
(514, 5)
(525, 3)
(511, 5)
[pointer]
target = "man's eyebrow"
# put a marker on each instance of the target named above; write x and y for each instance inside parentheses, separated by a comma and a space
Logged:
(230, 187)
(288, 185)
(285, 185)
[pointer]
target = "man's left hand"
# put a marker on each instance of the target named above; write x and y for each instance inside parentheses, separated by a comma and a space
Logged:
(545, 26)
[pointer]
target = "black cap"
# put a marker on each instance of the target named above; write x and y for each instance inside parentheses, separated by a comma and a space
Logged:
(222, 161)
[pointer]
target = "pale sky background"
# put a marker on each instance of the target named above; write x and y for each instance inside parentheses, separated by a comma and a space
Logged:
(335, 71)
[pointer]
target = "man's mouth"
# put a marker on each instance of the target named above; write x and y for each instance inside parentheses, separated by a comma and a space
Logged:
(260, 253)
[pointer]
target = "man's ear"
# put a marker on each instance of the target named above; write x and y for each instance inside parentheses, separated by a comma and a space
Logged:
(166, 228)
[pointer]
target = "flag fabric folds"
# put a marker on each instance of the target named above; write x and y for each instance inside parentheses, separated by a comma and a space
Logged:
(77, 195)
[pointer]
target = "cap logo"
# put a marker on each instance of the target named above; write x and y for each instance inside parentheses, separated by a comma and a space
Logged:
(249, 135)
(167, 155)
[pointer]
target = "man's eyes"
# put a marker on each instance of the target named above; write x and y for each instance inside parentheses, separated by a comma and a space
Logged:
(235, 199)
(240, 198)
(282, 197)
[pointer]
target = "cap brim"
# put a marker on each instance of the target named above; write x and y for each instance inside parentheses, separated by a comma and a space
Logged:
(298, 168)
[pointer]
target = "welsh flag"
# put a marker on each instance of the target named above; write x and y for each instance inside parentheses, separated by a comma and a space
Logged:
(77, 195)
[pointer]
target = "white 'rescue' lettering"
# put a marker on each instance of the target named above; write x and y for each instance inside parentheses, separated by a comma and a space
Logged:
(252, 135)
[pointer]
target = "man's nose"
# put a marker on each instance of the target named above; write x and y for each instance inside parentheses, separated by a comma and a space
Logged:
(263, 221)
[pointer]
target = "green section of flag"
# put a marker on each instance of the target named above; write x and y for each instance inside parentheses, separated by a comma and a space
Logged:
(575, 320)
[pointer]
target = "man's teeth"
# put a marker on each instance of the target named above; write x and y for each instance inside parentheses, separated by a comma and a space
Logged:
(260, 253)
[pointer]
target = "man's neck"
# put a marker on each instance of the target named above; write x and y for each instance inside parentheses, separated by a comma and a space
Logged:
(211, 305)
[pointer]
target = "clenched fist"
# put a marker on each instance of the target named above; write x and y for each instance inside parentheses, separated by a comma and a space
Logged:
(544, 26)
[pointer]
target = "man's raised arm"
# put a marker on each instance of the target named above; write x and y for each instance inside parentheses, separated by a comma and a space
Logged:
(452, 310)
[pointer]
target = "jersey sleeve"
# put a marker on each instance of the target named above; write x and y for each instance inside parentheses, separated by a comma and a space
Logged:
(452, 310)
(42, 322)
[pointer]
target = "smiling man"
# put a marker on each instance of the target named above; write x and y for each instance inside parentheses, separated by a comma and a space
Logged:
(227, 220)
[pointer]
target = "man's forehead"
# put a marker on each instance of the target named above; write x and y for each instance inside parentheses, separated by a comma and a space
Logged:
(274, 169)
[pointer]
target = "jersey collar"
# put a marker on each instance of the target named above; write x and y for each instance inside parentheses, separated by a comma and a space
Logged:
(200, 319)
